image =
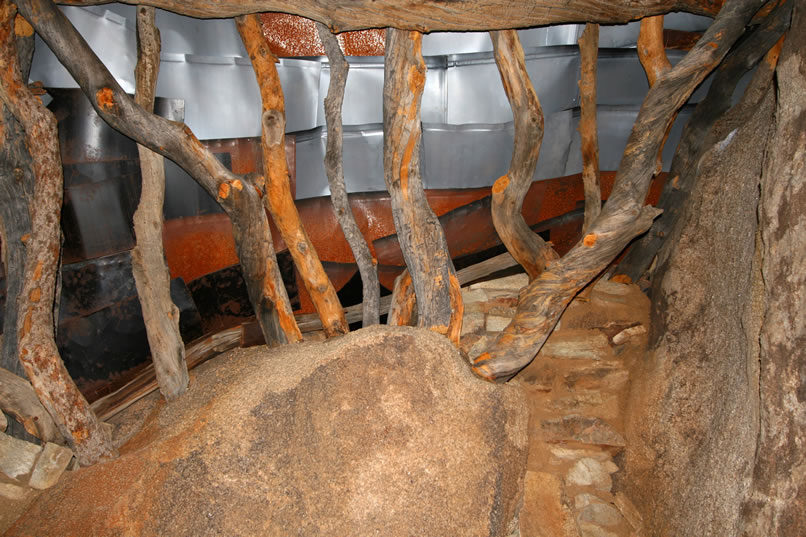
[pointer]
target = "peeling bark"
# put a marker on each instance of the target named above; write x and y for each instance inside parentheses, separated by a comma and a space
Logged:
(624, 216)
(339, 68)
(509, 191)
(433, 15)
(38, 353)
(151, 276)
(743, 57)
(236, 195)
(589, 53)
(422, 239)
(403, 303)
(278, 198)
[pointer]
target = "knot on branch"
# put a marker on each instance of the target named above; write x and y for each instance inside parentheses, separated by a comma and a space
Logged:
(273, 127)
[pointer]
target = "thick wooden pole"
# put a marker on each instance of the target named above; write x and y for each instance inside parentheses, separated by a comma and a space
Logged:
(38, 353)
(421, 237)
(278, 196)
(434, 15)
(652, 55)
(151, 276)
(509, 191)
(743, 57)
(624, 216)
(589, 53)
(236, 195)
(335, 177)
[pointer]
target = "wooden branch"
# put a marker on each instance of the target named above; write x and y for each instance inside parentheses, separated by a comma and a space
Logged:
(422, 239)
(151, 276)
(652, 55)
(739, 61)
(38, 353)
(278, 198)
(589, 52)
(236, 195)
(19, 400)
(403, 302)
(371, 290)
(651, 51)
(623, 217)
(509, 191)
(435, 15)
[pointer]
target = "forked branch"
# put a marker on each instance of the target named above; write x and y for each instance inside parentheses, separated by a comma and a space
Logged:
(624, 216)
(335, 178)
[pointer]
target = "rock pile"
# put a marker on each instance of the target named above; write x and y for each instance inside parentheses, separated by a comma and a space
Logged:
(577, 389)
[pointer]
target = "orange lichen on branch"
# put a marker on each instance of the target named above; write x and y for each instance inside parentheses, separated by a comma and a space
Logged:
(106, 99)
(223, 191)
(500, 184)
(22, 27)
(590, 239)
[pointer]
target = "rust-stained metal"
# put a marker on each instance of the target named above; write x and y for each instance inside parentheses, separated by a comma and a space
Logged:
(291, 35)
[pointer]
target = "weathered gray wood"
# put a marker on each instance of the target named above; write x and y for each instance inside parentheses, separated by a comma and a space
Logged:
(16, 192)
(422, 239)
(589, 53)
(433, 15)
(151, 276)
(278, 198)
(624, 216)
(236, 195)
(37, 347)
(371, 290)
(509, 191)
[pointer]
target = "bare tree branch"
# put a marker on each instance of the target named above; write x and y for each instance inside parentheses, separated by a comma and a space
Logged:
(624, 216)
(236, 195)
(38, 353)
(433, 15)
(335, 178)
(589, 53)
(509, 191)
(278, 197)
(151, 276)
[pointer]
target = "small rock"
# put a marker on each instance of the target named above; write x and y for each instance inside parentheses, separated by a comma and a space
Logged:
(605, 377)
(470, 296)
(612, 288)
(496, 323)
(51, 465)
(628, 333)
(516, 282)
(577, 345)
(592, 530)
(582, 429)
(12, 491)
(472, 322)
(629, 511)
(575, 402)
(590, 472)
(17, 457)
(594, 510)
(568, 454)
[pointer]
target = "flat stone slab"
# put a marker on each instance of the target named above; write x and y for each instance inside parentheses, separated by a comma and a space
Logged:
(50, 466)
(577, 344)
(17, 457)
(582, 429)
